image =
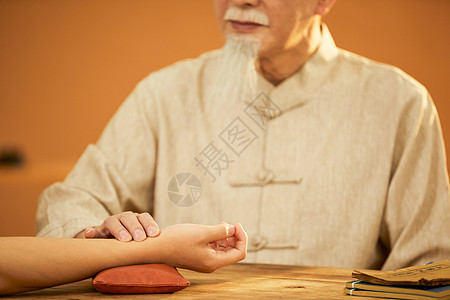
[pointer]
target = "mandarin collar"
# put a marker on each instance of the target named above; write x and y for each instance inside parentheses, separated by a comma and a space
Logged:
(272, 101)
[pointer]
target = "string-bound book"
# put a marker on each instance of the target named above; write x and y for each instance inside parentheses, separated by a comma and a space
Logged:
(431, 281)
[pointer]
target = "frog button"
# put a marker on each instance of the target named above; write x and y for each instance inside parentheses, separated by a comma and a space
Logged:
(265, 176)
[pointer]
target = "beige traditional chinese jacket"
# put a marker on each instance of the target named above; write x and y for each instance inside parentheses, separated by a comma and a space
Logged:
(340, 165)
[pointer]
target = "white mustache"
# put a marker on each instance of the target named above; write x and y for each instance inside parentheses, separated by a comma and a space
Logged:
(246, 15)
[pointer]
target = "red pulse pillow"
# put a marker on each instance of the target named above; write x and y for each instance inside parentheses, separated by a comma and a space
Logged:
(140, 279)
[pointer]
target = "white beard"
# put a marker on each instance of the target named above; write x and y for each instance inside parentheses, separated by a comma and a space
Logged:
(235, 78)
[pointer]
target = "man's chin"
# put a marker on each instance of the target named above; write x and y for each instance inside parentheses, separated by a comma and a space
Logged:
(236, 76)
(245, 37)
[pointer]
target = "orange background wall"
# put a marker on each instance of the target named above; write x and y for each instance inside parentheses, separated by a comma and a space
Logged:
(65, 67)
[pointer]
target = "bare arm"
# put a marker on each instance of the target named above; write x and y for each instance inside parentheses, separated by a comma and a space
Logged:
(28, 263)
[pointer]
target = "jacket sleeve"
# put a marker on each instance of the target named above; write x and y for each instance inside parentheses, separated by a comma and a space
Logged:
(114, 175)
(416, 224)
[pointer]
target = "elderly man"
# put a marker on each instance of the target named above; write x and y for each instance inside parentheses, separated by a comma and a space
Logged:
(325, 157)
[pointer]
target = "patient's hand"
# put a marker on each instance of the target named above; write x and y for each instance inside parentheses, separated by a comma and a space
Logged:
(203, 248)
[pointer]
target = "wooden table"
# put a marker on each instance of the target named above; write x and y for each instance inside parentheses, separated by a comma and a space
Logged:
(238, 281)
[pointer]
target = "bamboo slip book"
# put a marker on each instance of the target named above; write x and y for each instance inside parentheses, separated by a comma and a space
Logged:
(431, 281)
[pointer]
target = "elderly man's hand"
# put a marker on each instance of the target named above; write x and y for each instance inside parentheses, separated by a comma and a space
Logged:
(202, 248)
(124, 227)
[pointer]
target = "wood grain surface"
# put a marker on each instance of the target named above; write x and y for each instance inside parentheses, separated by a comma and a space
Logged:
(238, 281)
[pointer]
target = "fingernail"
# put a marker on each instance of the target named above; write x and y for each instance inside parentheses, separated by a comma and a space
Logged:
(231, 230)
(88, 232)
(138, 235)
(152, 231)
(124, 236)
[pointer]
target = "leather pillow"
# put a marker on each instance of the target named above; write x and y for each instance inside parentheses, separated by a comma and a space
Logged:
(140, 279)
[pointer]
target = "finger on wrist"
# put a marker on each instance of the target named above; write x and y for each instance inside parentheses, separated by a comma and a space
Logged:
(139, 235)
(149, 224)
(152, 231)
(90, 233)
(123, 236)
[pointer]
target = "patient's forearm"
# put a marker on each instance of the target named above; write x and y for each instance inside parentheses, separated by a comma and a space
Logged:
(28, 263)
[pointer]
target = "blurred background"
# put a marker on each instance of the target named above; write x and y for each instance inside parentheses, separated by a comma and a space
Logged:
(66, 66)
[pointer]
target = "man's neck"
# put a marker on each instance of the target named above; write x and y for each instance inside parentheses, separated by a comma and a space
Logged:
(276, 68)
